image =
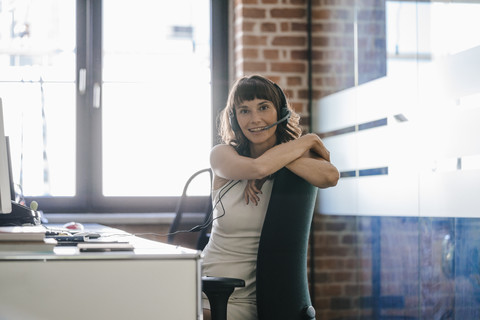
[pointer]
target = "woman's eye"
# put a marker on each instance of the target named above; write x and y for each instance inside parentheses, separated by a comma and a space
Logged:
(243, 111)
(264, 107)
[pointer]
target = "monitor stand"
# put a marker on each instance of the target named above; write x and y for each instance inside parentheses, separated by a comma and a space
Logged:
(20, 216)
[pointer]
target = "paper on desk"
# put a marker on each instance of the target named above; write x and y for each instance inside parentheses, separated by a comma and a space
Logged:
(20, 233)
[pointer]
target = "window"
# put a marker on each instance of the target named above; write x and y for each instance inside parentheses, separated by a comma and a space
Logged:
(37, 59)
(108, 103)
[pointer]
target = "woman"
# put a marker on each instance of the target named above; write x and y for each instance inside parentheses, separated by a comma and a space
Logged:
(261, 135)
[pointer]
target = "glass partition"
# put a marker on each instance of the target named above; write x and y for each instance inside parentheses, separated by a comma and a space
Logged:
(405, 138)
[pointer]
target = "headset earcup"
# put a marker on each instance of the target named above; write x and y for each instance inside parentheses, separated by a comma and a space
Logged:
(284, 111)
(233, 123)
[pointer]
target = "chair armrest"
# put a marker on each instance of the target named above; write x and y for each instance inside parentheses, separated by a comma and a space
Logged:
(220, 284)
(218, 290)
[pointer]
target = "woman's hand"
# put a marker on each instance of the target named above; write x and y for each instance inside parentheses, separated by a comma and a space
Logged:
(252, 190)
(317, 146)
(314, 165)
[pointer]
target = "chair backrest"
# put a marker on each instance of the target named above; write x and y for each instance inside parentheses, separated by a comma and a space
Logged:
(192, 211)
(282, 282)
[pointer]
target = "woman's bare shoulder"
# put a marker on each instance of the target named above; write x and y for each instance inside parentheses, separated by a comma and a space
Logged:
(220, 148)
(217, 153)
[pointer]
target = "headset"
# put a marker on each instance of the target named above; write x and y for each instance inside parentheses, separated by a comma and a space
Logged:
(284, 116)
(284, 112)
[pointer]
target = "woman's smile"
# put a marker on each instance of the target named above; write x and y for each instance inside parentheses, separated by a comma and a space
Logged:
(254, 117)
(258, 129)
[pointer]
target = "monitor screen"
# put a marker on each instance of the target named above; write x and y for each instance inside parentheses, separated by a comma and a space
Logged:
(5, 192)
(10, 173)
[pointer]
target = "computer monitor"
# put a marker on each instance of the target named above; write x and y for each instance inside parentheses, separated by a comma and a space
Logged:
(5, 181)
(11, 213)
(10, 171)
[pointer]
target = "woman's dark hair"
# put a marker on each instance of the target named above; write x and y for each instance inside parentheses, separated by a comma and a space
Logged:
(249, 88)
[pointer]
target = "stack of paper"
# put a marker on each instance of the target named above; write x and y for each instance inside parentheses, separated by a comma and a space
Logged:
(25, 240)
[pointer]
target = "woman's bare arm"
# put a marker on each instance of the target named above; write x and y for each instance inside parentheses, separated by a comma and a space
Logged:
(316, 170)
(228, 164)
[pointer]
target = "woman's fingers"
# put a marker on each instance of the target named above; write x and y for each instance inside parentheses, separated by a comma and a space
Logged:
(319, 148)
(251, 192)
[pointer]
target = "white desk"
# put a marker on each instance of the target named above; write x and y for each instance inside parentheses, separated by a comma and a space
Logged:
(155, 281)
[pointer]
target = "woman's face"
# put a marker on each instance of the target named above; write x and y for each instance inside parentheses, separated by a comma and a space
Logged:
(252, 117)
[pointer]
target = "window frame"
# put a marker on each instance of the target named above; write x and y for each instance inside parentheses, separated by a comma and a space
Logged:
(89, 198)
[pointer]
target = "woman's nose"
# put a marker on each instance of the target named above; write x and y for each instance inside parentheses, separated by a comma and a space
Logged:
(255, 117)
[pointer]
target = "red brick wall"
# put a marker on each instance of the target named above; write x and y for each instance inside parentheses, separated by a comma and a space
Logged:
(270, 38)
(333, 51)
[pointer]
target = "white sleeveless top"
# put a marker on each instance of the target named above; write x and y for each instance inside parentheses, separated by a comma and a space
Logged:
(233, 245)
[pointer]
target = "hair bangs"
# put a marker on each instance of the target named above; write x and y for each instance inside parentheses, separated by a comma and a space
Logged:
(251, 89)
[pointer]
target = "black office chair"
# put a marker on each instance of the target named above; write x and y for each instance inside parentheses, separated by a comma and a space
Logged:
(282, 283)
(192, 211)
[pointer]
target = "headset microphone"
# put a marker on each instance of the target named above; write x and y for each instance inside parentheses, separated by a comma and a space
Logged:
(285, 118)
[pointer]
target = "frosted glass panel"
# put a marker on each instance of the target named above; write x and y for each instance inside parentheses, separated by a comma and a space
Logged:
(413, 131)
(336, 111)
(373, 148)
(339, 200)
(388, 195)
(343, 150)
(450, 194)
